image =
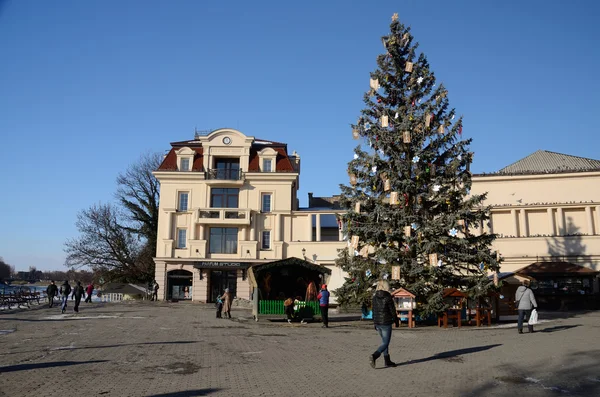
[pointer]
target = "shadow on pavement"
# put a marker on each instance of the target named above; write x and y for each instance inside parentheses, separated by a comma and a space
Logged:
(188, 393)
(451, 354)
(558, 328)
(107, 346)
(25, 367)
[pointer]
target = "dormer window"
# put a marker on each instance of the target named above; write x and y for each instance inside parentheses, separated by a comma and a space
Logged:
(185, 159)
(267, 165)
(267, 158)
(184, 165)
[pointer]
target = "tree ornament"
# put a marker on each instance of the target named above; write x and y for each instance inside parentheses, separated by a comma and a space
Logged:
(406, 137)
(394, 198)
(387, 185)
(432, 169)
(367, 126)
(453, 232)
(452, 118)
(383, 176)
(440, 263)
(441, 129)
(407, 230)
(420, 80)
(355, 156)
(460, 130)
(374, 84)
(381, 153)
(436, 188)
(396, 272)
(395, 17)
(396, 116)
(355, 240)
(384, 121)
(405, 38)
(481, 266)
(357, 207)
(415, 159)
(353, 180)
(374, 169)
(378, 101)
(409, 67)
(433, 258)
(364, 252)
(355, 133)
(428, 119)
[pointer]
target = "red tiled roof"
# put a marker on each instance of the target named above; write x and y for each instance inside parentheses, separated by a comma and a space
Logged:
(282, 162)
(170, 161)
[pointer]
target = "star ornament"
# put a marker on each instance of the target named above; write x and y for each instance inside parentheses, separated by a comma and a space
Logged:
(436, 188)
(420, 79)
(414, 226)
(374, 168)
(355, 156)
(395, 17)
(415, 159)
(453, 232)
(440, 263)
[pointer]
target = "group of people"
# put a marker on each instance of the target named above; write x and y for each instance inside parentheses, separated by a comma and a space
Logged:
(384, 315)
(292, 307)
(65, 290)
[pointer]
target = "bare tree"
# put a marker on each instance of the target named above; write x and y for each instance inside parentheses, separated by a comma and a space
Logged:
(119, 242)
(105, 245)
(138, 193)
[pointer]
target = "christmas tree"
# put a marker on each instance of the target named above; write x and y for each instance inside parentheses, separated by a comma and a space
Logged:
(410, 216)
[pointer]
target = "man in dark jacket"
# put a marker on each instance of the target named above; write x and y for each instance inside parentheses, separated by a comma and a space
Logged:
(51, 291)
(65, 290)
(78, 293)
(323, 298)
(384, 315)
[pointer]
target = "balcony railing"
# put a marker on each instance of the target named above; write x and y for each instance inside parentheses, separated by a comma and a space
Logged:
(225, 174)
(224, 216)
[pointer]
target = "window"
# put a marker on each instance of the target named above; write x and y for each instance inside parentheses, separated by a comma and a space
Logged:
(266, 202)
(227, 168)
(267, 165)
(185, 165)
(223, 240)
(266, 240)
(224, 198)
(183, 201)
(181, 238)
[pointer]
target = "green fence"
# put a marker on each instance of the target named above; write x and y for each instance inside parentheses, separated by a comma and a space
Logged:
(276, 307)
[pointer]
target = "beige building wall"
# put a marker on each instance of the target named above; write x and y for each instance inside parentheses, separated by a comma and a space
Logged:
(544, 217)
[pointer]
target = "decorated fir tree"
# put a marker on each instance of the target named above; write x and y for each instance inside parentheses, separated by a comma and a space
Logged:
(410, 216)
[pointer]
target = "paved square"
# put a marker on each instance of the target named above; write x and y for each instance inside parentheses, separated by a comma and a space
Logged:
(181, 349)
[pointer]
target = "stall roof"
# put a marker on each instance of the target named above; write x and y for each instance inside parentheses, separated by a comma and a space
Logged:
(291, 262)
(539, 268)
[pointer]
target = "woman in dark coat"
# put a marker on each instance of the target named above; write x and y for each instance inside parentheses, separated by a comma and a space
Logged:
(384, 315)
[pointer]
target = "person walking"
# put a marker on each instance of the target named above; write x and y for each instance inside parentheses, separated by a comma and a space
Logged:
(89, 289)
(226, 298)
(78, 293)
(51, 291)
(65, 290)
(323, 298)
(219, 305)
(384, 315)
(526, 301)
(155, 291)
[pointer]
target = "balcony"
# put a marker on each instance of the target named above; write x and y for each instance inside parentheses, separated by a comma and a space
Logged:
(224, 216)
(224, 174)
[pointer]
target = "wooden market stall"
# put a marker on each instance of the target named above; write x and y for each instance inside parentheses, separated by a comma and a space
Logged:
(455, 299)
(405, 305)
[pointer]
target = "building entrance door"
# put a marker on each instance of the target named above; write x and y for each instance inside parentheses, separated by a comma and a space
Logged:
(221, 279)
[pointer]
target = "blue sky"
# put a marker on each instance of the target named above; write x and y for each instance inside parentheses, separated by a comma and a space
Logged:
(86, 86)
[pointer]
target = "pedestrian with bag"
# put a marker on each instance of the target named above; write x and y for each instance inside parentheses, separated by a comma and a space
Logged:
(323, 298)
(525, 302)
(51, 292)
(226, 297)
(384, 315)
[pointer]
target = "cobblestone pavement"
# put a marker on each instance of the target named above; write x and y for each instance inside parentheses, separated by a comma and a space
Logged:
(146, 349)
